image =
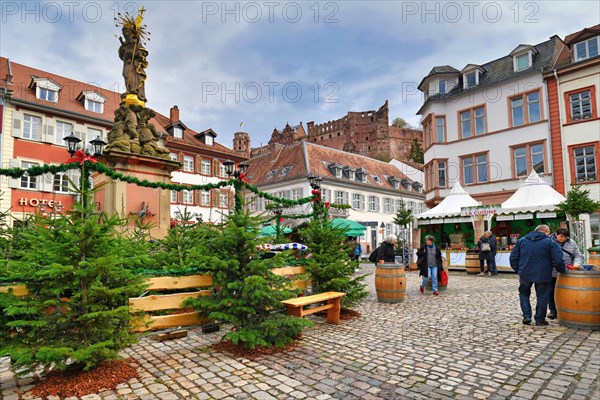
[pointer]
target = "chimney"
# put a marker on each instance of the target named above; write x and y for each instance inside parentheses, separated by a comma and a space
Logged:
(174, 114)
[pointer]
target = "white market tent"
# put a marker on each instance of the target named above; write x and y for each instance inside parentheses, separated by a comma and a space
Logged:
(533, 195)
(450, 206)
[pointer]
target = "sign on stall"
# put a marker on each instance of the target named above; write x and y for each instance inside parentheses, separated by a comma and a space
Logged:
(546, 215)
(504, 218)
(524, 216)
(480, 210)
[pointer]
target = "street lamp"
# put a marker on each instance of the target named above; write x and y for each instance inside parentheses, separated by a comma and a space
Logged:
(73, 144)
(239, 176)
(314, 181)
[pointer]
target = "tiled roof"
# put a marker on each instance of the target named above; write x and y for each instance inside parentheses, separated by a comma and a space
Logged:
(591, 31)
(22, 76)
(308, 158)
(502, 69)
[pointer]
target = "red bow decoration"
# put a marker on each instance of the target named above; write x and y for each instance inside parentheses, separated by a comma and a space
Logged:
(81, 157)
(327, 204)
(317, 194)
(243, 177)
(280, 219)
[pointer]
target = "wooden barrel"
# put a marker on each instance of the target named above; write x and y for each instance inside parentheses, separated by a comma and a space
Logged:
(390, 283)
(594, 259)
(577, 297)
(472, 263)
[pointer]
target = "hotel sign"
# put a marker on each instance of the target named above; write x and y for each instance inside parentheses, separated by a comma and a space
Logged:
(479, 211)
(33, 202)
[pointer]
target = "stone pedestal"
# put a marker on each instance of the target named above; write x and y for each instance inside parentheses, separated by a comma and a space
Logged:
(127, 199)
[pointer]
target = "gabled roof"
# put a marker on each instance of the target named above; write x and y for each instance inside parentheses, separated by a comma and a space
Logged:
(583, 34)
(523, 48)
(534, 194)
(501, 70)
(312, 159)
(472, 67)
(439, 70)
(208, 131)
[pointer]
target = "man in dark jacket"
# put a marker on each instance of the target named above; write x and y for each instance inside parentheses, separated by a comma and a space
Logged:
(386, 251)
(494, 244)
(533, 258)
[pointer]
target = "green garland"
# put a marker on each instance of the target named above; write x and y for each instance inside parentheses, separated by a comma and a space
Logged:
(38, 170)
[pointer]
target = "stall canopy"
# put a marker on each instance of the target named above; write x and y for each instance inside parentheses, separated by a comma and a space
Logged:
(450, 206)
(534, 194)
(351, 228)
(272, 230)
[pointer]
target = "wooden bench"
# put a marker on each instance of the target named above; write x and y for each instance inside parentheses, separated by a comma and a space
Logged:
(296, 306)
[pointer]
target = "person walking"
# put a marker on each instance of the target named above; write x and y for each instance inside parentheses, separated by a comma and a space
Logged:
(571, 255)
(533, 257)
(356, 255)
(386, 251)
(429, 262)
(494, 245)
(485, 254)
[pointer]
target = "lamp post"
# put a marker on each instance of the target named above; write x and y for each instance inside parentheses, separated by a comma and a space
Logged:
(315, 184)
(239, 175)
(72, 147)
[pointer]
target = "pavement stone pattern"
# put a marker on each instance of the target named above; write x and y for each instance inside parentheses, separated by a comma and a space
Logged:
(467, 343)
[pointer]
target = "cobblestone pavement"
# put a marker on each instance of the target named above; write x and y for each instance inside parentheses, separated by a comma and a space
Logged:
(467, 343)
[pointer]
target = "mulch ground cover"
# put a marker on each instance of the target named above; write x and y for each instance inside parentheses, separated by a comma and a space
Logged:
(65, 384)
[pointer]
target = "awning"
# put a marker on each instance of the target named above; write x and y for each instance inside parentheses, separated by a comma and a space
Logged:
(351, 228)
(450, 206)
(272, 230)
(534, 194)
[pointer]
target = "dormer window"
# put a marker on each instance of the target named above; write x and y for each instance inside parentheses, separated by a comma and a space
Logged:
(376, 179)
(350, 173)
(362, 175)
(470, 79)
(285, 170)
(337, 172)
(207, 137)
(522, 62)
(271, 173)
(92, 101)
(46, 89)
(442, 86)
(587, 49)
(177, 132)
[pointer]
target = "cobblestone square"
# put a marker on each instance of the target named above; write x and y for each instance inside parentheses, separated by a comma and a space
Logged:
(467, 343)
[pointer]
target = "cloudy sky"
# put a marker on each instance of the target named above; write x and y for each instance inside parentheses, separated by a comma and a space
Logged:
(266, 63)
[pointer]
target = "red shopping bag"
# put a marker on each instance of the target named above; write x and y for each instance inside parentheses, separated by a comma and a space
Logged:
(444, 280)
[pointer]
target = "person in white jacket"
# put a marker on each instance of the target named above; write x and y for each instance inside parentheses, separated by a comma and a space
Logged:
(571, 255)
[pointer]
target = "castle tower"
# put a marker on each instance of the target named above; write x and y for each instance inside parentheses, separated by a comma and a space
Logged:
(241, 143)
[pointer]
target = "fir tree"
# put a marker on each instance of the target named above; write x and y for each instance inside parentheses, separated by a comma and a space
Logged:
(578, 202)
(329, 265)
(415, 153)
(77, 270)
(247, 294)
(403, 216)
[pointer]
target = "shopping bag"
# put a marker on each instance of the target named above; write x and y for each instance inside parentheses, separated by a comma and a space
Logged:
(444, 280)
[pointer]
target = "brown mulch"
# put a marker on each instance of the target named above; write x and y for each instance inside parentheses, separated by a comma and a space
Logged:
(106, 376)
(228, 347)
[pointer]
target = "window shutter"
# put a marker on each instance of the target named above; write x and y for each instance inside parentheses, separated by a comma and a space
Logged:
(48, 134)
(345, 197)
(231, 198)
(216, 167)
(214, 198)
(180, 196)
(198, 163)
(14, 182)
(197, 197)
(362, 202)
(17, 124)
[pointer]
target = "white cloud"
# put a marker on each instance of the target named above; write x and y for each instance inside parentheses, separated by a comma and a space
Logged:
(376, 50)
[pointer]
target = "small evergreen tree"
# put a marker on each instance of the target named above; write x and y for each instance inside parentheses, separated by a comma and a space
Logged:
(329, 265)
(415, 152)
(77, 270)
(403, 216)
(578, 202)
(247, 294)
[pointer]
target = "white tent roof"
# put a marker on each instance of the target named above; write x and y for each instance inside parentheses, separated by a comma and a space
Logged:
(451, 204)
(533, 195)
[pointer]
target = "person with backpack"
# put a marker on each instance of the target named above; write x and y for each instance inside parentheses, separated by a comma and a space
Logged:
(494, 245)
(485, 254)
(571, 255)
